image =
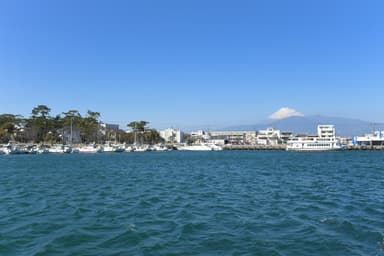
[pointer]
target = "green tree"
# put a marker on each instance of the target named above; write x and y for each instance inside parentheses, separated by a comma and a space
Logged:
(90, 126)
(40, 111)
(138, 126)
(39, 122)
(7, 127)
(72, 117)
(71, 120)
(152, 136)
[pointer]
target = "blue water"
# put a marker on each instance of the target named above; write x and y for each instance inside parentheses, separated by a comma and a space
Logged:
(193, 203)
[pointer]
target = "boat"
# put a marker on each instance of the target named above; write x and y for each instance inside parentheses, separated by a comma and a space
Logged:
(73, 150)
(39, 150)
(59, 149)
(159, 147)
(90, 149)
(201, 147)
(113, 148)
(56, 150)
(129, 149)
(12, 148)
(108, 148)
(313, 144)
(325, 140)
(141, 148)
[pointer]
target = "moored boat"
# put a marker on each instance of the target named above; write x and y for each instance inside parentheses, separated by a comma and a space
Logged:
(90, 149)
(324, 141)
(201, 147)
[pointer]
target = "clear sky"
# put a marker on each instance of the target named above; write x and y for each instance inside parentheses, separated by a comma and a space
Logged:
(193, 63)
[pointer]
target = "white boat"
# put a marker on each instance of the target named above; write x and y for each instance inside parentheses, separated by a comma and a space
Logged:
(56, 150)
(215, 147)
(90, 149)
(129, 149)
(201, 147)
(73, 150)
(108, 148)
(159, 147)
(141, 148)
(324, 141)
(40, 150)
(59, 149)
(313, 144)
(113, 148)
(13, 148)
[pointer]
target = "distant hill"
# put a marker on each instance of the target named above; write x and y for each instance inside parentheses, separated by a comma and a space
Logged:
(308, 125)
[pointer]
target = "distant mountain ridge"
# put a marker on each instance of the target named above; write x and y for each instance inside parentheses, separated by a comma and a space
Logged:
(308, 125)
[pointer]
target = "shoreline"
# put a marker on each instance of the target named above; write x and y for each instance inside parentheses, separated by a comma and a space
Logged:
(283, 147)
(228, 147)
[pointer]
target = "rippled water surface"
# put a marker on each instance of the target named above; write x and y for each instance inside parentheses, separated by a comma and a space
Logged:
(191, 203)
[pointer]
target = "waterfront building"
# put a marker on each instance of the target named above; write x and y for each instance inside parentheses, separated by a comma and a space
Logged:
(285, 136)
(326, 131)
(172, 135)
(105, 128)
(235, 137)
(220, 142)
(200, 135)
(270, 136)
(371, 139)
(109, 131)
(346, 141)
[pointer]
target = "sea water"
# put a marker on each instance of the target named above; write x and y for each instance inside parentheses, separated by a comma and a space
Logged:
(193, 203)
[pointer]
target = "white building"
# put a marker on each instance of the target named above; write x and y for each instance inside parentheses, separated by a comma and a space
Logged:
(105, 128)
(235, 137)
(370, 139)
(200, 135)
(326, 131)
(172, 135)
(270, 136)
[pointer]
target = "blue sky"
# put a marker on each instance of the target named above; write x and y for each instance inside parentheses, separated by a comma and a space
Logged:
(193, 63)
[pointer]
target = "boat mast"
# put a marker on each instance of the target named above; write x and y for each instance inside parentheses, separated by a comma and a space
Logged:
(71, 129)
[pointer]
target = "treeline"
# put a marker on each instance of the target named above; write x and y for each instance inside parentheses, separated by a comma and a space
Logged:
(70, 126)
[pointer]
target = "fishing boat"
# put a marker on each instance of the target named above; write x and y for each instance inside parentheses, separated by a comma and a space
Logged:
(90, 149)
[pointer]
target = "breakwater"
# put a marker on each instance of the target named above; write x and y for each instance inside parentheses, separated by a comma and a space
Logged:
(283, 147)
(254, 147)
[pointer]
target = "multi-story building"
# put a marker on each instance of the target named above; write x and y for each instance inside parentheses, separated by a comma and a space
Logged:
(270, 136)
(234, 137)
(172, 135)
(104, 128)
(370, 139)
(109, 130)
(200, 135)
(326, 131)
